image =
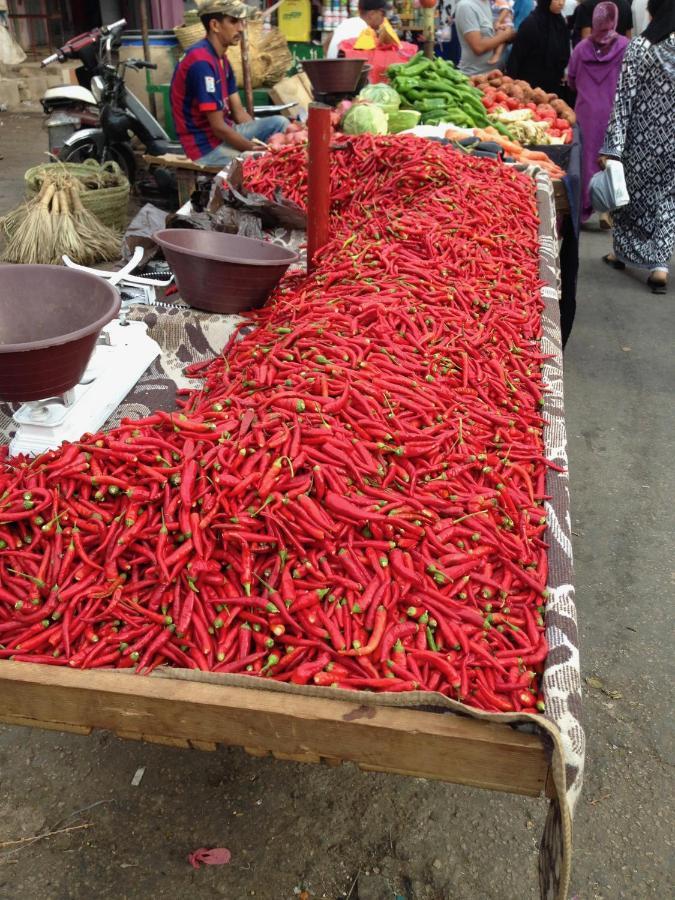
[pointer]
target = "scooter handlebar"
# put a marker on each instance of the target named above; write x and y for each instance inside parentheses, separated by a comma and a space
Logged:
(139, 64)
(115, 26)
(49, 60)
(76, 44)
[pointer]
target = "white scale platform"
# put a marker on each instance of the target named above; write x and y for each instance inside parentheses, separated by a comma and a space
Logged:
(111, 373)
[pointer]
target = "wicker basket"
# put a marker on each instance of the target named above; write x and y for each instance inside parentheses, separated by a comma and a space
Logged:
(190, 31)
(108, 202)
(269, 56)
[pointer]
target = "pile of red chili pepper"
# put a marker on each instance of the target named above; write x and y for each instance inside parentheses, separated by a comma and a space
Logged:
(354, 497)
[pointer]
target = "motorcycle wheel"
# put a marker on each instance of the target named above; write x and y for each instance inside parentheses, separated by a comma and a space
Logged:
(88, 148)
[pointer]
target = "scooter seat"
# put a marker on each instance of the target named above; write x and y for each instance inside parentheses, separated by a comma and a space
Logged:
(160, 147)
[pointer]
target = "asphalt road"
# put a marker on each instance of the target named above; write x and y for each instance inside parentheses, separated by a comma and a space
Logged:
(338, 832)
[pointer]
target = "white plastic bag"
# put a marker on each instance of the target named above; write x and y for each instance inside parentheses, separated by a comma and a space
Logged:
(608, 188)
(11, 53)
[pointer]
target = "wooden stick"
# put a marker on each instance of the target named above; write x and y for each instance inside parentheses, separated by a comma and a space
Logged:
(39, 837)
(268, 12)
(146, 49)
(246, 68)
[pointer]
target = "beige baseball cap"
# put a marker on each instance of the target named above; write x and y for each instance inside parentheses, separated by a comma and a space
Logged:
(234, 8)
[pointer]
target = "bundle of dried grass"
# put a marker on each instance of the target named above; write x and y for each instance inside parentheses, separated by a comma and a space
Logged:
(33, 238)
(91, 177)
(56, 223)
(269, 56)
(10, 222)
(104, 244)
(65, 232)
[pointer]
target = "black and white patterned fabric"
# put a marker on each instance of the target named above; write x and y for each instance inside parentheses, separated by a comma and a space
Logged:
(641, 133)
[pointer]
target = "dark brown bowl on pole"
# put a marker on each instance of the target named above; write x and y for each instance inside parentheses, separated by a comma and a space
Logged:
(333, 76)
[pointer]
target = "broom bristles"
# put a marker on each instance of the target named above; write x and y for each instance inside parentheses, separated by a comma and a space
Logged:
(56, 223)
(104, 243)
(33, 238)
(66, 237)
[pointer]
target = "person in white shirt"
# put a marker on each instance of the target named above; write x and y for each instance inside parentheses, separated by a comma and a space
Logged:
(372, 14)
(640, 16)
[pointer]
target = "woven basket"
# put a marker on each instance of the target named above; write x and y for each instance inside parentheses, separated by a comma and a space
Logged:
(268, 53)
(108, 203)
(189, 34)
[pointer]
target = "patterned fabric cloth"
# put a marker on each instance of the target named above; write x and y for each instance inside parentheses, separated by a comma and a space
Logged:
(641, 133)
(186, 335)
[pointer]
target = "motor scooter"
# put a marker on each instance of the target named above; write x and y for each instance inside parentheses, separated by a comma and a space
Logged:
(121, 115)
(73, 107)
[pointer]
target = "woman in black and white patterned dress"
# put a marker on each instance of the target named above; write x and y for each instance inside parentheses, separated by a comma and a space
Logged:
(641, 133)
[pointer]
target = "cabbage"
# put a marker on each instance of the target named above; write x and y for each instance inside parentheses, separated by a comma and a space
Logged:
(365, 118)
(382, 95)
(403, 119)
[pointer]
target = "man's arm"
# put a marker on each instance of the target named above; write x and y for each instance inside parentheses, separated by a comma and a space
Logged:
(239, 114)
(226, 134)
(480, 45)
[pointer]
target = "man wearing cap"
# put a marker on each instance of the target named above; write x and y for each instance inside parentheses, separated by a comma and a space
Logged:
(211, 122)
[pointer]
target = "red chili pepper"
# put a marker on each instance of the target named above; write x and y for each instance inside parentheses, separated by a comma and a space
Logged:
(307, 451)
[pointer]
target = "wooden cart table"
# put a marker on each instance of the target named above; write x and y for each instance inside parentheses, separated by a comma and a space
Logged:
(416, 734)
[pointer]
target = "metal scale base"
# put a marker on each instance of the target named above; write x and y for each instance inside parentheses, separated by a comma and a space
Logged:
(113, 370)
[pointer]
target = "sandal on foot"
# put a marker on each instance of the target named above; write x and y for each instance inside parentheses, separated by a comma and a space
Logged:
(613, 262)
(656, 286)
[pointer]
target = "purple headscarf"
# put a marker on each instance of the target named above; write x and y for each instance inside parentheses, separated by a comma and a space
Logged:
(603, 25)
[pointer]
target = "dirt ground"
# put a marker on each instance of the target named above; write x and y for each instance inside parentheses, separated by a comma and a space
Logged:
(339, 833)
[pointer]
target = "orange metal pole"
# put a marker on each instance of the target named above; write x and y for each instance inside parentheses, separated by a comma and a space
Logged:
(318, 193)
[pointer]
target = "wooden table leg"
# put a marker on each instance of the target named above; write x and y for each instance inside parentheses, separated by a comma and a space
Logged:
(185, 181)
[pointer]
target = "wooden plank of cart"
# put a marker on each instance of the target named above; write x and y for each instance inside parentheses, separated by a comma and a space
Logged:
(289, 726)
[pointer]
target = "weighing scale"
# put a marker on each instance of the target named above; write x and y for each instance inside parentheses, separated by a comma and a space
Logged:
(123, 353)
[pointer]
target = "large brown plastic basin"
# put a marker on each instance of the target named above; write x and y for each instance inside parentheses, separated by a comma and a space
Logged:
(50, 318)
(223, 273)
(333, 76)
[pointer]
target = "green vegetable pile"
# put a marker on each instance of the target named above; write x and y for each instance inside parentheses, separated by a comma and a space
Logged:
(440, 92)
(365, 118)
(384, 96)
(403, 119)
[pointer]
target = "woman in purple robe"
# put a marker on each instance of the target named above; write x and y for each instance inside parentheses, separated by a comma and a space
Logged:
(593, 73)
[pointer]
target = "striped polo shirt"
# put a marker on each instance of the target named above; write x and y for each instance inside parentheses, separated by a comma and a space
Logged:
(201, 83)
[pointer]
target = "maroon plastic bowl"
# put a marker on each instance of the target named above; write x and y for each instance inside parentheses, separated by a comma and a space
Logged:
(223, 273)
(50, 318)
(333, 76)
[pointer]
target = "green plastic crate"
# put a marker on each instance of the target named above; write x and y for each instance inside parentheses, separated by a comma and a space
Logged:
(163, 91)
(305, 50)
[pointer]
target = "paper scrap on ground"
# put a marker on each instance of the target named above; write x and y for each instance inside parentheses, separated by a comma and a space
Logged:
(217, 856)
